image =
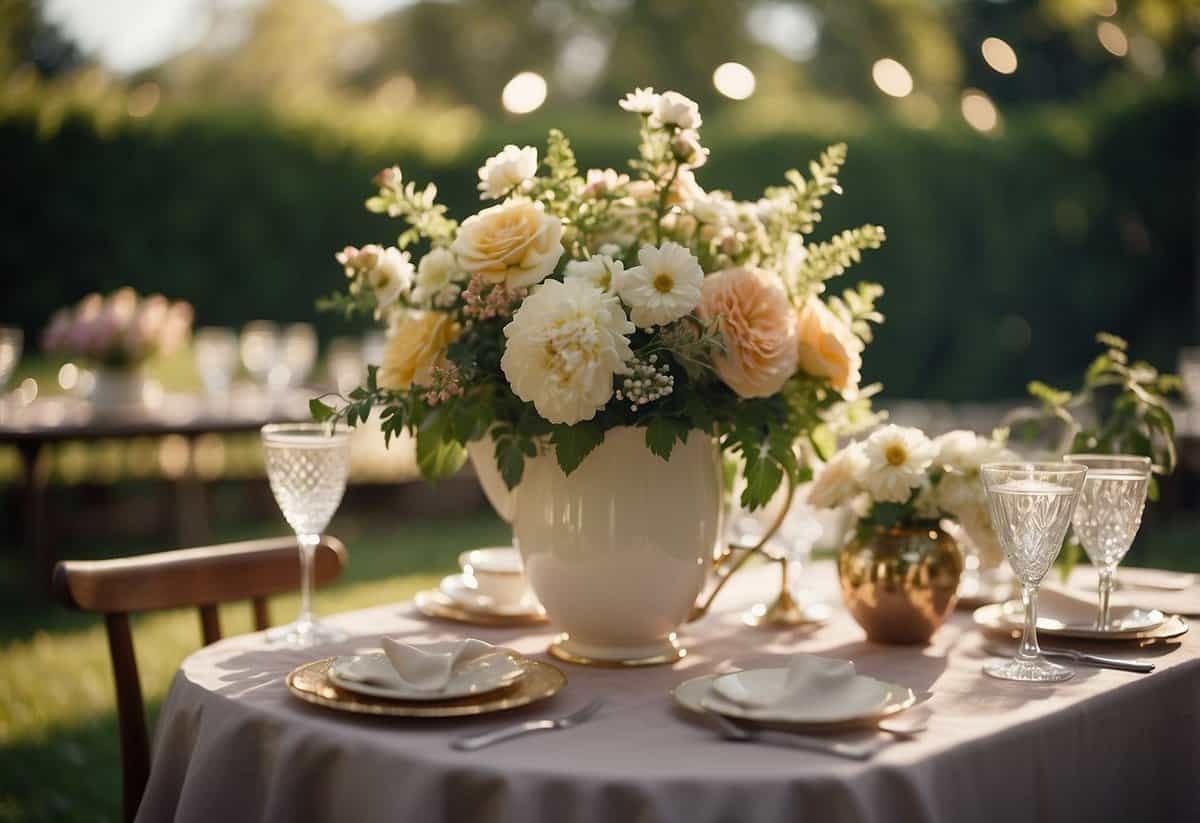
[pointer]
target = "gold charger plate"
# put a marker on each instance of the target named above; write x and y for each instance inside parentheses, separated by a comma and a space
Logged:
(311, 684)
(991, 618)
(689, 693)
(433, 603)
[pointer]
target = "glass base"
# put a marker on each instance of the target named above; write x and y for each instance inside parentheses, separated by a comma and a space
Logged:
(304, 635)
(1037, 670)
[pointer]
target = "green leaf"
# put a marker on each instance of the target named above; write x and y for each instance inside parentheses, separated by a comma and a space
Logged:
(661, 434)
(824, 441)
(763, 477)
(573, 443)
(510, 459)
(319, 411)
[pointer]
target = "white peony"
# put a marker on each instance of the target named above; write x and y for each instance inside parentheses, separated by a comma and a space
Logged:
(640, 101)
(674, 109)
(600, 270)
(515, 244)
(564, 345)
(664, 288)
(840, 480)
(506, 171)
(898, 459)
(438, 279)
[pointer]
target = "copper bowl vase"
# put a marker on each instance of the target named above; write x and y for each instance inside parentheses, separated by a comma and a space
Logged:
(901, 583)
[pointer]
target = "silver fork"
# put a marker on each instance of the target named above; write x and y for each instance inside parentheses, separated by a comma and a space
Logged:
(478, 741)
(1096, 660)
(731, 730)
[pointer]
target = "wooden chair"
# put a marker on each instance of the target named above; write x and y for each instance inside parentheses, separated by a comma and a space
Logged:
(252, 570)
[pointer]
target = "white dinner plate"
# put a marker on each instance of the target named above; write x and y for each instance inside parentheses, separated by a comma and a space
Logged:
(992, 618)
(1070, 618)
(473, 677)
(458, 589)
(694, 695)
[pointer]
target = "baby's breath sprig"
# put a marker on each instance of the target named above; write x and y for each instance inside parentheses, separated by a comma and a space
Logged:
(649, 379)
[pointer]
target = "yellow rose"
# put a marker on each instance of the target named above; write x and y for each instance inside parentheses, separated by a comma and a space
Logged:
(416, 344)
(827, 346)
(516, 244)
(758, 330)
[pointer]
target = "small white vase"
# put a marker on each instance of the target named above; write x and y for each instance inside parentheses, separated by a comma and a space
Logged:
(482, 453)
(119, 390)
(618, 551)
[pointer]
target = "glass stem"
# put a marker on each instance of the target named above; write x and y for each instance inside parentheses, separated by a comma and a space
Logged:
(1028, 649)
(1105, 588)
(308, 550)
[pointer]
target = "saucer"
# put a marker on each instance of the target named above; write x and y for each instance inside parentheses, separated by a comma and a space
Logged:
(479, 676)
(992, 618)
(458, 588)
(433, 603)
(1062, 613)
(695, 695)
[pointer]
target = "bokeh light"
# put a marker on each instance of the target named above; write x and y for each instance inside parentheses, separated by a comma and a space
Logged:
(892, 77)
(143, 100)
(734, 80)
(524, 93)
(1113, 38)
(68, 376)
(979, 111)
(1106, 8)
(999, 55)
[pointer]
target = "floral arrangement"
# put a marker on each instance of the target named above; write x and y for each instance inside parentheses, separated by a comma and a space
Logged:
(583, 301)
(900, 477)
(118, 331)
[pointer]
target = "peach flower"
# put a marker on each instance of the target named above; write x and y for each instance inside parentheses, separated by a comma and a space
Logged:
(827, 346)
(516, 244)
(417, 343)
(758, 330)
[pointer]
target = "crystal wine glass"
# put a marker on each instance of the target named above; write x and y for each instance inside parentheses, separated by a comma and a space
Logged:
(307, 464)
(1108, 515)
(216, 352)
(260, 349)
(1031, 506)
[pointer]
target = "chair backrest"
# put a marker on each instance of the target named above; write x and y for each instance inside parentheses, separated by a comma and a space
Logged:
(252, 570)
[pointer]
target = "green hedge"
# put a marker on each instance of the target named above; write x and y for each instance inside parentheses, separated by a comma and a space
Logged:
(1004, 254)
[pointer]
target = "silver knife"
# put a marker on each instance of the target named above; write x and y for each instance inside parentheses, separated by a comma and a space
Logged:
(1084, 658)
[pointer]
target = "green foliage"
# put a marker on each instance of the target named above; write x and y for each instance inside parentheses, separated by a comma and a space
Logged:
(802, 201)
(573, 443)
(830, 258)
(1128, 401)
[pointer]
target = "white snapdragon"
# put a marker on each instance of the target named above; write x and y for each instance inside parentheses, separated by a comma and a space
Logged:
(600, 270)
(506, 171)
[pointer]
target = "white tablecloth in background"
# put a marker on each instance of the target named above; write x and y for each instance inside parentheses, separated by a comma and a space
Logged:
(233, 745)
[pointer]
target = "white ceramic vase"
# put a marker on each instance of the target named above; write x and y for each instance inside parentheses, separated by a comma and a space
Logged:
(618, 551)
(482, 453)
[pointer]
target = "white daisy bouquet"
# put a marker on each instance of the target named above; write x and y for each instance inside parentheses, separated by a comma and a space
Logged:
(578, 302)
(899, 477)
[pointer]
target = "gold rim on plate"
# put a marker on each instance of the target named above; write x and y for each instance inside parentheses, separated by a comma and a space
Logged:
(311, 684)
(433, 603)
(991, 618)
(903, 698)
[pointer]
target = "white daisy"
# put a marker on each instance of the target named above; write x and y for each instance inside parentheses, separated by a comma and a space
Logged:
(898, 458)
(505, 171)
(640, 101)
(600, 270)
(665, 287)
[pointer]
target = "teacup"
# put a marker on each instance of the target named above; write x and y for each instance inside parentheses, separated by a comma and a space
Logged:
(498, 574)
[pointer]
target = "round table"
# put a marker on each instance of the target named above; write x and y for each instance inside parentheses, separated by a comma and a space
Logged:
(233, 744)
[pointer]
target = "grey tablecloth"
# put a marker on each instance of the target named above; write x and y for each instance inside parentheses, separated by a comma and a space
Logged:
(232, 745)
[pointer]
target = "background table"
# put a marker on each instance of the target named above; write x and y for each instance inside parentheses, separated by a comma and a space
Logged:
(232, 744)
(60, 419)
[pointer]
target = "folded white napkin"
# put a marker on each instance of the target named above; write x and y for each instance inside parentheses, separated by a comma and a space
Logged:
(425, 667)
(809, 679)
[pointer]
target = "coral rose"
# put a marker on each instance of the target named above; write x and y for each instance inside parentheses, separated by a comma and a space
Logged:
(827, 346)
(516, 244)
(758, 329)
(417, 343)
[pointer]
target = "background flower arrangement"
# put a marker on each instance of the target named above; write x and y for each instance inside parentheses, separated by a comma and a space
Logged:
(899, 477)
(119, 331)
(579, 303)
